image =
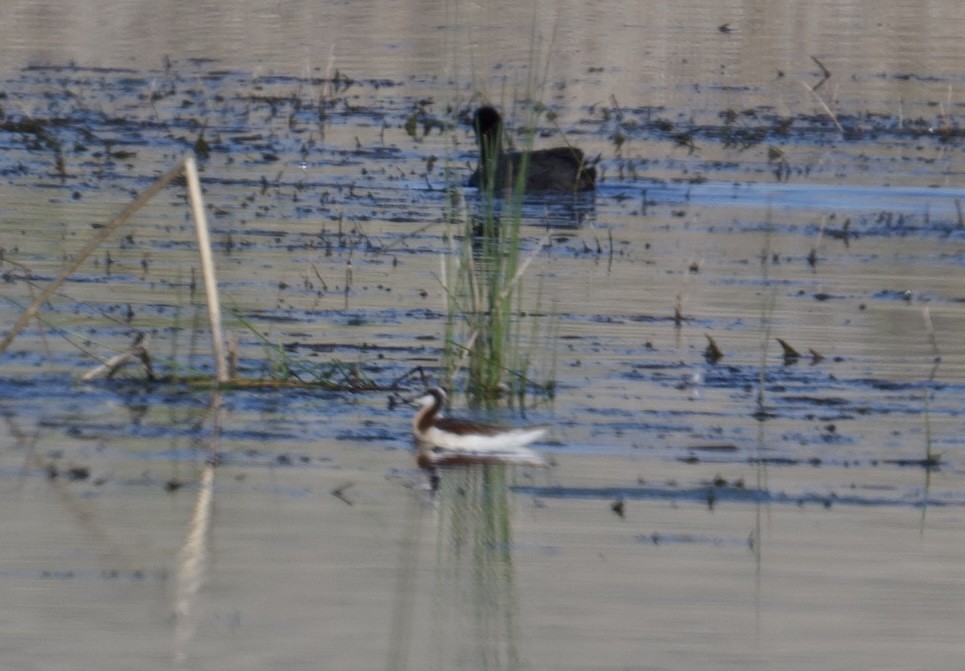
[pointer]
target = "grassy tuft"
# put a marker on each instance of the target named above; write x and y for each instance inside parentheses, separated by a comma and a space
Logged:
(496, 332)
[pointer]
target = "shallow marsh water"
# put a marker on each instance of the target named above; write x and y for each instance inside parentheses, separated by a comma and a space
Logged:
(799, 532)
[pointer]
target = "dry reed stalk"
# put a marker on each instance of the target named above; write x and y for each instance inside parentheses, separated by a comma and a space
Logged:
(189, 169)
(82, 255)
(207, 268)
(832, 115)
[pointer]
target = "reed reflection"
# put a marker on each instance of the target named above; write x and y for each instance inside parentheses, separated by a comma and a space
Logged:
(473, 612)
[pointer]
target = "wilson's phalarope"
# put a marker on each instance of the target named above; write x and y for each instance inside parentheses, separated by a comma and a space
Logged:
(445, 441)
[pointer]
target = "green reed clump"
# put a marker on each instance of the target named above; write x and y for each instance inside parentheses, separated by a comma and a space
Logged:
(489, 331)
(495, 331)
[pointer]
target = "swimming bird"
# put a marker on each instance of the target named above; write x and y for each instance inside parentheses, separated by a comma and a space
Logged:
(556, 169)
(446, 441)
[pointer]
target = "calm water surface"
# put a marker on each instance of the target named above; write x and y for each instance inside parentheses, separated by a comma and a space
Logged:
(759, 512)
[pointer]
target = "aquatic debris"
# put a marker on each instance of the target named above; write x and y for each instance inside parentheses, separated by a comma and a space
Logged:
(712, 353)
(714, 447)
(657, 538)
(75, 473)
(931, 462)
(136, 352)
(339, 492)
(201, 147)
(782, 169)
(791, 355)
